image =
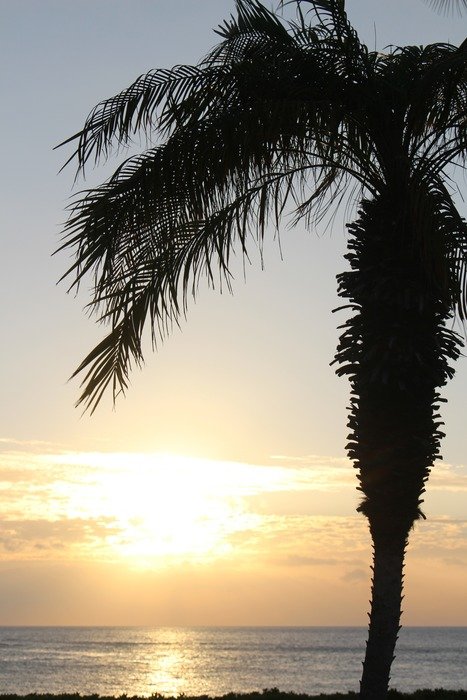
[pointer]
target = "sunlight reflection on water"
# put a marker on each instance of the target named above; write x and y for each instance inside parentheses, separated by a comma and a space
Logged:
(212, 661)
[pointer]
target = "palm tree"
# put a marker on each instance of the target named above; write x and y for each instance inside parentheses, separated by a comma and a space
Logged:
(297, 113)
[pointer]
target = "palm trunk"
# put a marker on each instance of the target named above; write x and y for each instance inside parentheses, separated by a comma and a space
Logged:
(386, 598)
(395, 350)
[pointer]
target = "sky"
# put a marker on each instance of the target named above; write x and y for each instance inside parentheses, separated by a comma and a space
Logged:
(218, 490)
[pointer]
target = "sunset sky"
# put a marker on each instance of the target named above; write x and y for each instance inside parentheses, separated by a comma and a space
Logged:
(217, 491)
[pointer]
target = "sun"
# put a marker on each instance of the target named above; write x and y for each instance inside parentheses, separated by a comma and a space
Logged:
(164, 508)
(169, 508)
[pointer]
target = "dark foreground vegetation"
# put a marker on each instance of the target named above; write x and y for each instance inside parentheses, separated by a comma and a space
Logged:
(268, 694)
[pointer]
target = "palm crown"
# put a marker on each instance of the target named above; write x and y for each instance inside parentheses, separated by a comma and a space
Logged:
(276, 113)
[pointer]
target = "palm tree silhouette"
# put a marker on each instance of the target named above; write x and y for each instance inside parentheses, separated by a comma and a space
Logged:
(297, 113)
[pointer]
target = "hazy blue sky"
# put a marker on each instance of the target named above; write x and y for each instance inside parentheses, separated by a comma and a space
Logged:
(248, 375)
(247, 378)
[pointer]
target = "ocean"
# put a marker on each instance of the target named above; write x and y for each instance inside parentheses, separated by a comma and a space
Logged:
(217, 660)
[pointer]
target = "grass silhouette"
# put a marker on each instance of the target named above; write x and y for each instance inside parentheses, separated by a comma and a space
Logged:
(267, 694)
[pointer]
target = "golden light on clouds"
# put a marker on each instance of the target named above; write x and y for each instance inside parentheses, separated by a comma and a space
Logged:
(197, 541)
(151, 509)
(164, 507)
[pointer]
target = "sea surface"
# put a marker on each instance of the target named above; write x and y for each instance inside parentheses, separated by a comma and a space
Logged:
(217, 660)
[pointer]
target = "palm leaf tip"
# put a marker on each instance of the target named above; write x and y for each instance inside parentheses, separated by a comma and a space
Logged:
(109, 364)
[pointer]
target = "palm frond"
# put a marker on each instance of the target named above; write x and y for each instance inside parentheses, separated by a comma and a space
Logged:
(441, 238)
(438, 88)
(134, 110)
(151, 283)
(279, 116)
(253, 17)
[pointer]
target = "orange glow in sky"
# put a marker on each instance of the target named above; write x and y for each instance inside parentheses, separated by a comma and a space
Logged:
(151, 538)
(217, 492)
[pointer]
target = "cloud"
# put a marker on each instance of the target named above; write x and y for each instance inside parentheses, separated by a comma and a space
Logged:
(311, 459)
(303, 541)
(29, 445)
(318, 472)
(442, 539)
(355, 575)
(297, 513)
(298, 560)
(57, 539)
(448, 478)
(339, 470)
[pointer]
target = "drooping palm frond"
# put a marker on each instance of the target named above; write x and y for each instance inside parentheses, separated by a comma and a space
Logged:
(147, 276)
(432, 96)
(437, 84)
(154, 286)
(444, 250)
(242, 141)
(277, 115)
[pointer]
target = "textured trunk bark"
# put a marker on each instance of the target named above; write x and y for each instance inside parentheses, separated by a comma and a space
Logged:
(386, 598)
(395, 350)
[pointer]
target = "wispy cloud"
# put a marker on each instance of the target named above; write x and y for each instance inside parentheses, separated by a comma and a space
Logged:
(442, 539)
(28, 445)
(57, 539)
(448, 478)
(299, 512)
(323, 473)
